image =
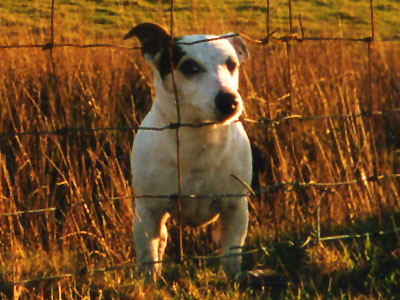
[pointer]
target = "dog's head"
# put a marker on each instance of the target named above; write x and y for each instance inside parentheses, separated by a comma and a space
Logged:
(206, 73)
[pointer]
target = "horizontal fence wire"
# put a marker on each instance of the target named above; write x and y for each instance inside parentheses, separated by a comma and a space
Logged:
(268, 189)
(271, 122)
(174, 125)
(49, 46)
(261, 249)
(263, 41)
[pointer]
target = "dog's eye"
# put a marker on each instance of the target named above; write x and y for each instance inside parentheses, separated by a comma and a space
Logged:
(231, 64)
(190, 67)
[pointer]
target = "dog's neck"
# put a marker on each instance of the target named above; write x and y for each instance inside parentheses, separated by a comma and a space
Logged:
(165, 103)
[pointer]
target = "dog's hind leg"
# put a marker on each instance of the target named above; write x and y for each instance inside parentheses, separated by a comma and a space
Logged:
(233, 220)
(150, 237)
(163, 239)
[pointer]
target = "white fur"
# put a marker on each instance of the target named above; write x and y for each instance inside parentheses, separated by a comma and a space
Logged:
(209, 156)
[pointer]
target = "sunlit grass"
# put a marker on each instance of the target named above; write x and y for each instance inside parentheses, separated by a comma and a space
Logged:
(110, 88)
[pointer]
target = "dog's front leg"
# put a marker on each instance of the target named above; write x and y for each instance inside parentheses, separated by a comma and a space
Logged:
(233, 220)
(150, 237)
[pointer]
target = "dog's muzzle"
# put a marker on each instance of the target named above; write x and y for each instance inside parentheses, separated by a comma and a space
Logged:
(228, 105)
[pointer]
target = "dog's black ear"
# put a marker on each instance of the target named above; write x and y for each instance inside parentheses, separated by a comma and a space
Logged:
(239, 45)
(152, 37)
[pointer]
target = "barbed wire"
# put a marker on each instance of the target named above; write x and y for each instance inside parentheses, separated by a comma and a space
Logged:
(270, 38)
(49, 46)
(174, 125)
(268, 189)
(309, 240)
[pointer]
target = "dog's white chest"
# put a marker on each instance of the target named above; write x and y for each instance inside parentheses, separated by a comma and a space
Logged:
(209, 157)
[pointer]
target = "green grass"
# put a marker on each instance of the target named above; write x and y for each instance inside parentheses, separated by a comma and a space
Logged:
(111, 87)
(110, 19)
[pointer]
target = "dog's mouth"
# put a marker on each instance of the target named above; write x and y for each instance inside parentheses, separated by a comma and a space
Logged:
(229, 107)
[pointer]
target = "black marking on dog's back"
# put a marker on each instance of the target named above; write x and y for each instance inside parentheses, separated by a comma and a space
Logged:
(164, 64)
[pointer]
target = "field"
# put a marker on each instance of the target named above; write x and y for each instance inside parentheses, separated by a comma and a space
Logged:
(326, 218)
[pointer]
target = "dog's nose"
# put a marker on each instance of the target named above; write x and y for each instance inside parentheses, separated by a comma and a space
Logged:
(226, 104)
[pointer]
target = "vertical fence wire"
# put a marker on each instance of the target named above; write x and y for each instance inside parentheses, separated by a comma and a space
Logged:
(264, 51)
(270, 132)
(298, 173)
(371, 6)
(290, 17)
(177, 134)
(371, 104)
(51, 53)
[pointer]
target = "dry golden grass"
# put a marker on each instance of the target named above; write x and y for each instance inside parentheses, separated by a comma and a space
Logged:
(100, 88)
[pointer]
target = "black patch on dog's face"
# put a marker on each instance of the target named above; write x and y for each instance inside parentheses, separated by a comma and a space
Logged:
(164, 64)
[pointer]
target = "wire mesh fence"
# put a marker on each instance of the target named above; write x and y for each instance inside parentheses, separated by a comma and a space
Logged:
(286, 186)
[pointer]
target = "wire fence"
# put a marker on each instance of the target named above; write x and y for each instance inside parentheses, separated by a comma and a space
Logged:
(209, 258)
(174, 125)
(268, 189)
(270, 37)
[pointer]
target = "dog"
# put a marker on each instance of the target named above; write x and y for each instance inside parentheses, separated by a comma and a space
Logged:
(204, 78)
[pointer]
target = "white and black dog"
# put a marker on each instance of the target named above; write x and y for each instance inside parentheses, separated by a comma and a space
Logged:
(206, 77)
